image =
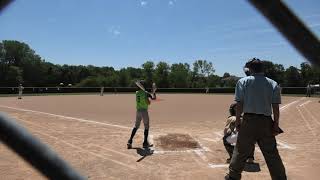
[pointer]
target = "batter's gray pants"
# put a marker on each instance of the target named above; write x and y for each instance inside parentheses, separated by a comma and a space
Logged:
(142, 114)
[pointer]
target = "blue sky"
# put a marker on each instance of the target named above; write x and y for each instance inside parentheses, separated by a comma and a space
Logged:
(122, 33)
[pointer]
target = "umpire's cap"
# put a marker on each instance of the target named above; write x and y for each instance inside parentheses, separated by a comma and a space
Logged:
(255, 65)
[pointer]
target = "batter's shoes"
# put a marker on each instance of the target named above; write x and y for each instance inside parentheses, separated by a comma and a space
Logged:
(147, 144)
(129, 144)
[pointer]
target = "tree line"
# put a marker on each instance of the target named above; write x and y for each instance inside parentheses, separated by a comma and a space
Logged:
(19, 64)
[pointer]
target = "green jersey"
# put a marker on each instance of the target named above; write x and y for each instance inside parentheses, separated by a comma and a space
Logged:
(141, 100)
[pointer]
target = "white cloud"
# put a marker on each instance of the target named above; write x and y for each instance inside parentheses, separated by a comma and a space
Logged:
(114, 31)
(143, 3)
(172, 2)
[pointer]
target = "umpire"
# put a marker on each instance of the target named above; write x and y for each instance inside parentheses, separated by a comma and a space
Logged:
(255, 96)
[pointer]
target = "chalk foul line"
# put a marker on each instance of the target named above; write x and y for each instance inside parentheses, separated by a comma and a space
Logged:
(67, 117)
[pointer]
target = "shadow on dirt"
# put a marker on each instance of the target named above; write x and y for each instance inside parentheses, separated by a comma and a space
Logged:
(252, 167)
(144, 152)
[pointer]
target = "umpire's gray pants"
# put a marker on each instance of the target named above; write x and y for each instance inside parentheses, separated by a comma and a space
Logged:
(256, 128)
(142, 114)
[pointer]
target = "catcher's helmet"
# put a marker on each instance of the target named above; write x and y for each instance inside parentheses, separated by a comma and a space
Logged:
(232, 109)
(142, 82)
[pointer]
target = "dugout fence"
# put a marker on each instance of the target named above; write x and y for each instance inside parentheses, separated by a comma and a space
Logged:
(97, 90)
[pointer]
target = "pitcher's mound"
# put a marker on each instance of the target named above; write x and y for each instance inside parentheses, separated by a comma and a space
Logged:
(176, 142)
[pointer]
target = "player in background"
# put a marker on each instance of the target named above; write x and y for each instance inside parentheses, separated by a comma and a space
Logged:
(308, 90)
(142, 102)
(20, 88)
(101, 91)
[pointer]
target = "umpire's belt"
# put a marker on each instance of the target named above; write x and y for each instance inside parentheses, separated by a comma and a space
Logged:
(254, 114)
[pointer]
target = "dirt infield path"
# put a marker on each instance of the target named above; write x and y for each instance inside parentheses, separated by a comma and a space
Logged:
(91, 132)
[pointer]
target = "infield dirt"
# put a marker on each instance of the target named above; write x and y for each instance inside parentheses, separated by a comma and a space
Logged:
(91, 131)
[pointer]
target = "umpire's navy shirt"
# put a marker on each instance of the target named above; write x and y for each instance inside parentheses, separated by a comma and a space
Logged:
(257, 93)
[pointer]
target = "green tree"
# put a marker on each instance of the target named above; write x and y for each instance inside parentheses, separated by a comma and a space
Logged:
(16, 52)
(214, 81)
(52, 74)
(293, 77)
(179, 76)
(14, 76)
(306, 73)
(274, 71)
(310, 74)
(124, 79)
(98, 81)
(225, 75)
(19, 63)
(134, 75)
(202, 69)
(91, 81)
(229, 81)
(3, 65)
(161, 74)
(20, 55)
(148, 69)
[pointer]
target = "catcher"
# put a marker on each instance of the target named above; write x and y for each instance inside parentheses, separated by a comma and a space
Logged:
(230, 130)
(142, 102)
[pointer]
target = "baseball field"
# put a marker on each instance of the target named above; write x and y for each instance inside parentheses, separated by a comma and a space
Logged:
(91, 132)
